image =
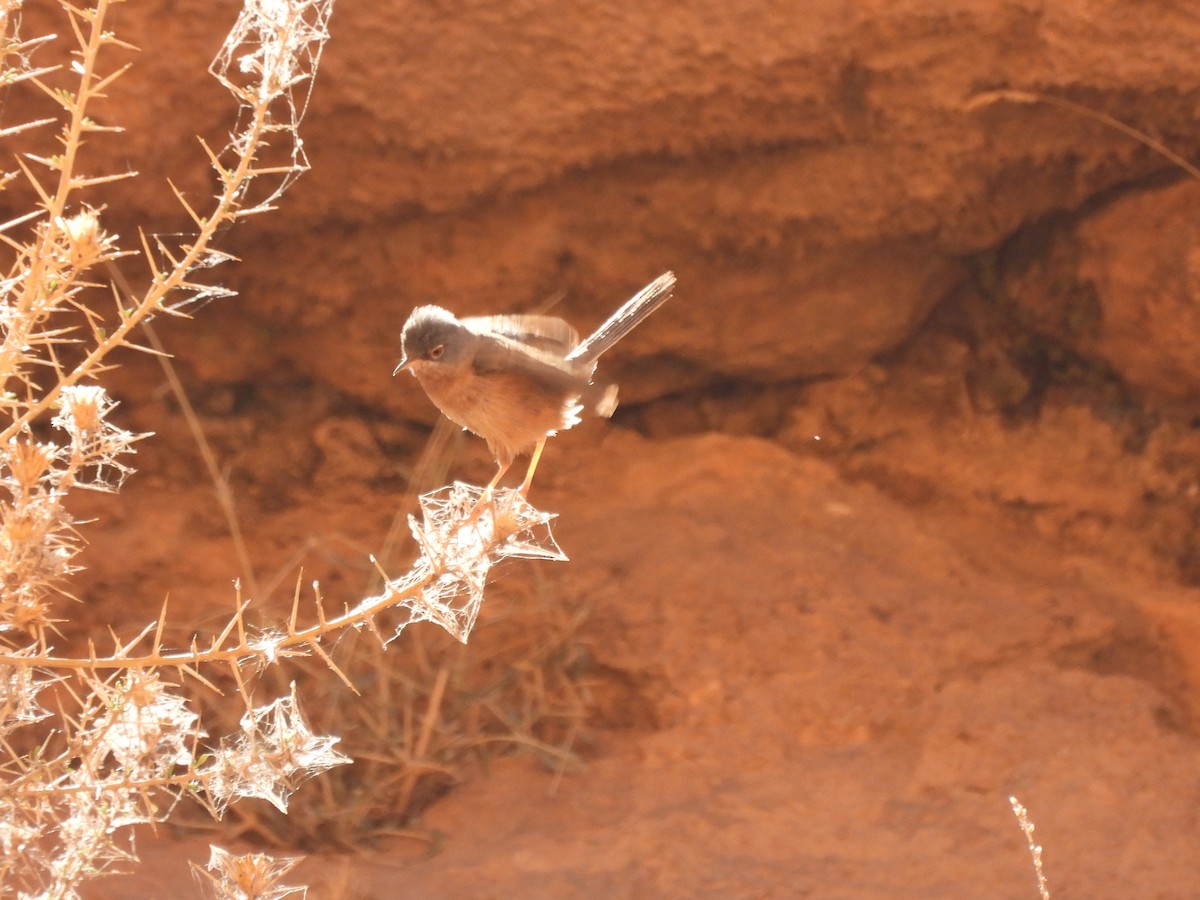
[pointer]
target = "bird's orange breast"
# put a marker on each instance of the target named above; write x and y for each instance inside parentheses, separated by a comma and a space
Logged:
(509, 410)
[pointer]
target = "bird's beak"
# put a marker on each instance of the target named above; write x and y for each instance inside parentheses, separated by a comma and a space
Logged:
(401, 366)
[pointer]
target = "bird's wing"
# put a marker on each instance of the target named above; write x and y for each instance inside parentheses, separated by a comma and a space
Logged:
(500, 355)
(545, 333)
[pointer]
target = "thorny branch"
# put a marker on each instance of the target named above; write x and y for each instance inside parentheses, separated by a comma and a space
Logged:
(91, 745)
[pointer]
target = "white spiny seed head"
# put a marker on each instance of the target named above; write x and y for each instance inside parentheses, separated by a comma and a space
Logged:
(84, 406)
(84, 239)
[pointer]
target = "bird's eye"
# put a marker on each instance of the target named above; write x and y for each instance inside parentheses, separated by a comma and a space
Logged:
(437, 351)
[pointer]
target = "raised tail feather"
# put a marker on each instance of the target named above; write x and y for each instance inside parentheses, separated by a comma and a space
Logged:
(624, 320)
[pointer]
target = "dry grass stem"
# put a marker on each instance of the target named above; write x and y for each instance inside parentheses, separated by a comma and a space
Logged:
(1035, 849)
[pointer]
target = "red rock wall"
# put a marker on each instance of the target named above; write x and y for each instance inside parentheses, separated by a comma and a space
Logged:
(805, 685)
(812, 171)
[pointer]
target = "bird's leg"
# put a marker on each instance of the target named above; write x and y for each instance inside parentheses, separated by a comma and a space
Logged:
(501, 468)
(485, 499)
(523, 490)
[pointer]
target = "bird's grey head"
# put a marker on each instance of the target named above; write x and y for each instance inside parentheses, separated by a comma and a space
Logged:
(434, 335)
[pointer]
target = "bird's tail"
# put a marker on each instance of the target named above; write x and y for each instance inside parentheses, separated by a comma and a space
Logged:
(625, 319)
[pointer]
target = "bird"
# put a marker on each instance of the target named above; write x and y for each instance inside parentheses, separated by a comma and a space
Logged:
(516, 380)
